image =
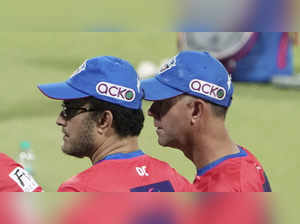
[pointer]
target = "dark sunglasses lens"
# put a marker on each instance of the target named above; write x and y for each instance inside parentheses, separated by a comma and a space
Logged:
(67, 113)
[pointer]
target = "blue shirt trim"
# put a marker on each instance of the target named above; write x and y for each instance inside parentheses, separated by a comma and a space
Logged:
(212, 165)
(128, 155)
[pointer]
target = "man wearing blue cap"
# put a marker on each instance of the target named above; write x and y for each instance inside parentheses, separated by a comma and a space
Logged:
(191, 95)
(101, 119)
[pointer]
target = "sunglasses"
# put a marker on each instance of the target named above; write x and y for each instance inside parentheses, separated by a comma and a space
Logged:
(69, 112)
(160, 108)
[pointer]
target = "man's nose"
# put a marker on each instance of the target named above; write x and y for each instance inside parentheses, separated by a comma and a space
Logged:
(150, 112)
(154, 112)
(60, 121)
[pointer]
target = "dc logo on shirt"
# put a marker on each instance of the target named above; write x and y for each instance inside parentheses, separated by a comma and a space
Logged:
(142, 171)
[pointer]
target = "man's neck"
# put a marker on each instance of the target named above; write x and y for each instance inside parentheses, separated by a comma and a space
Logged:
(206, 154)
(114, 145)
(209, 146)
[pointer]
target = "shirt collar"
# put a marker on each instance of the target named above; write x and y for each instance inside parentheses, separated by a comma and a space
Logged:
(203, 170)
(128, 155)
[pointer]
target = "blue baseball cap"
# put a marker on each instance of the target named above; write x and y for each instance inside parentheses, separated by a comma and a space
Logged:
(194, 73)
(106, 78)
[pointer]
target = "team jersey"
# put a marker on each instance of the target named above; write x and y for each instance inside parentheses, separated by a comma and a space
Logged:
(127, 172)
(239, 172)
(13, 177)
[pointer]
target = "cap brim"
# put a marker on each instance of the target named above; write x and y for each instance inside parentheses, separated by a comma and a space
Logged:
(60, 91)
(155, 90)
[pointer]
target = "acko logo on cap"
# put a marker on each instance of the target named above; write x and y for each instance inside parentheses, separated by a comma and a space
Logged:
(208, 89)
(115, 91)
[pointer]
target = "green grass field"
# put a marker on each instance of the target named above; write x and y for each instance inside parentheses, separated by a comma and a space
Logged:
(262, 118)
(90, 15)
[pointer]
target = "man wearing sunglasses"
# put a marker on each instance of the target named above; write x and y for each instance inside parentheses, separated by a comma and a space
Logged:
(101, 119)
(191, 96)
(14, 178)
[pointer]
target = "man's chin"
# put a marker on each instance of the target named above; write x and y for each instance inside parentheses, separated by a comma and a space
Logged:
(162, 142)
(72, 153)
(169, 144)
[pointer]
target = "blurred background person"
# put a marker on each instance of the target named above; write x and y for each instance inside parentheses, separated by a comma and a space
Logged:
(248, 56)
(233, 15)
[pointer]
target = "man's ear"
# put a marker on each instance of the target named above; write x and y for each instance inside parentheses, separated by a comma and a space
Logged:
(105, 121)
(197, 109)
